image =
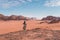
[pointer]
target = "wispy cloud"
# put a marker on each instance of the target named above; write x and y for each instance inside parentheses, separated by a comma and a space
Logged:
(52, 3)
(29, 0)
(11, 3)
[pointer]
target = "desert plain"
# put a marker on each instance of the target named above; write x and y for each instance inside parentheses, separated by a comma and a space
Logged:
(11, 26)
(35, 30)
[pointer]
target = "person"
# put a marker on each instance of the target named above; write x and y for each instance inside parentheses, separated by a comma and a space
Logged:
(24, 27)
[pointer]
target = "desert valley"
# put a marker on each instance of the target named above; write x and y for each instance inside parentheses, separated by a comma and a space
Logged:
(29, 19)
(45, 29)
(12, 26)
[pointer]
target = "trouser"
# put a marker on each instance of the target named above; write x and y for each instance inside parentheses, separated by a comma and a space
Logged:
(24, 28)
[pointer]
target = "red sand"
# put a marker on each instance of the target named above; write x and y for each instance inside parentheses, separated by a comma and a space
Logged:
(11, 26)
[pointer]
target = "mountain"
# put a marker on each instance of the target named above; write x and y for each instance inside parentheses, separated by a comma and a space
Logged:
(52, 19)
(13, 17)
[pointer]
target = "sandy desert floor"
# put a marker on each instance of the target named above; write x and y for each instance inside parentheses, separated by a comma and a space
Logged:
(13, 30)
(12, 26)
(33, 34)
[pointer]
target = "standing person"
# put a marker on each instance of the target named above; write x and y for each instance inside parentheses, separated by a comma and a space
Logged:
(24, 27)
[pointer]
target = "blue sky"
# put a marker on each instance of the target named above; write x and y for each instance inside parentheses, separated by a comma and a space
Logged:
(30, 8)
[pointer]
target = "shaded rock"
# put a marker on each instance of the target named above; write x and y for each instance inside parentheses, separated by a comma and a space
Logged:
(52, 19)
(1, 16)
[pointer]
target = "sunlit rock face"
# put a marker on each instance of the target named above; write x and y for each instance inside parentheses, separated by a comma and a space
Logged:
(13, 17)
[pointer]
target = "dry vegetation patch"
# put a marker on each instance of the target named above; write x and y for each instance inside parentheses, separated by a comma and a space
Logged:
(34, 34)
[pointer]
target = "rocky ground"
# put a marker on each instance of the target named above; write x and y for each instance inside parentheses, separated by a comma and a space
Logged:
(34, 34)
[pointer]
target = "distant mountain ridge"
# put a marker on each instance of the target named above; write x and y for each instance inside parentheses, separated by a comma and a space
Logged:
(15, 17)
(51, 18)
